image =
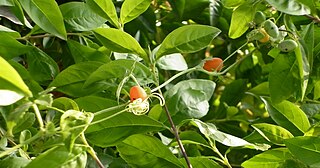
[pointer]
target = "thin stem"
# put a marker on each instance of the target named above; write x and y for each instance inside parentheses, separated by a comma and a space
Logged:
(173, 78)
(45, 35)
(215, 149)
(176, 134)
(91, 151)
(234, 52)
(315, 19)
(99, 121)
(38, 115)
(35, 137)
(110, 109)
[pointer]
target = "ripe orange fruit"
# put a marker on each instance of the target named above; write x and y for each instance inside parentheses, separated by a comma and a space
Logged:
(214, 64)
(266, 36)
(137, 92)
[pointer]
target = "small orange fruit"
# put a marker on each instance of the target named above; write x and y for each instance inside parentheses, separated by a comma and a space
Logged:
(214, 64)
(266, 36)
(137, 92)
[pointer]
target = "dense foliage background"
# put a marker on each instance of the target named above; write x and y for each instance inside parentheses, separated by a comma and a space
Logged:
(66, 69)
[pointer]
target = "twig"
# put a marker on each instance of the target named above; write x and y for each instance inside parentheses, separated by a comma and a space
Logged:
(315, 19)
(176, 134)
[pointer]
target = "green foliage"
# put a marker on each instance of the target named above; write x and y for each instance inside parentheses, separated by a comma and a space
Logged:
(67, 68)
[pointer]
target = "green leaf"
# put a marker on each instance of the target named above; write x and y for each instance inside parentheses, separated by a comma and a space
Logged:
(59, 156)
(18, 12)
(82, 53)
(283, 78)
(106, 9)
(71, 80)
(8, 97)
(273, 133)
(47, 15)
(212, 133)
(6, 3)
(14, 162)
(202, 162)
(69, 122)
(306, 149)
(78, 16)
(189, 99)
(131, 9)
(10, 32)
(241, 17)
(94, 103)
(302, 55)
(187, 39)
(145, 151)
(11, 80)
(191, 137)
(287, 115)
(10, 47)
(119, 69)
(178, 6)
(268, 159)
(112, 131)
(65, 104)
(172, 62)
(262, 89)
(119, 41)
(25, 121)
(41, 66)
(232, 3)
(292, 7)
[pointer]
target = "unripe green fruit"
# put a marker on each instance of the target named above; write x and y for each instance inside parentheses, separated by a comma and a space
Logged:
(287, 45)
(255, 34)
(259, 17)
(271, 28)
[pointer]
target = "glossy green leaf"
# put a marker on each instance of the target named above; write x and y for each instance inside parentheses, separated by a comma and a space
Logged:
(19, 13)
(178, 6)
(112, 131)
(232, 3)
(119, 69)
(241, 17)
(6, 3)
(78, 16)
(11, 80)
(211, 132)
(191, 137)
(10, 47)
(303, 54)
(189, 99)
(59, 156)
(95, 103)
(131, 9)
(172, 62)
(268, 159)
(106, 9)
(41, 66)
(287, 115)
(47, 15)
(187, 39)
(262, 89)
(71, 80)
(119, 41)
(145, 151)
(10, 32)
(82, 53)
(202, 162)
(65, 104)
(273, 133)
(292, 7)
(14, 162)
(284, 77)
(307, 149)
(24, 121)
(69, 121)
